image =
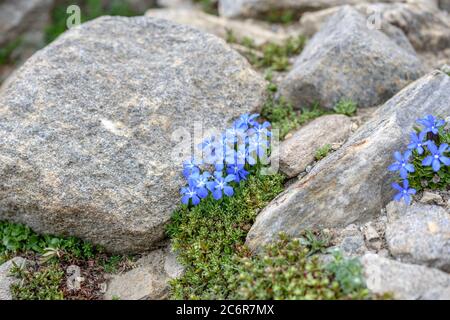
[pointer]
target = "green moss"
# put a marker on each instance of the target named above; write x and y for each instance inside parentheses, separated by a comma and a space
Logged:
(18, 238)
(346, 107)
(38, 282)
(323, 152)
(209, 6)
(282, 115)
(7, 50)
(208, 236)
(90, 9)
(271, 55)
(285, 16)
(287, 270)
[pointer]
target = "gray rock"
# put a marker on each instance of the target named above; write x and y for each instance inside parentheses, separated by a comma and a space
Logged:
(6, 280)
(351, 241)
(86, 126)
(348, 60)
(404, 281)
(255, 8)
(419, 234)
(259, 32)
(297, 152)
(425, 27)
(149, 280)
(353, 184)
(431, 198)
(18, 17)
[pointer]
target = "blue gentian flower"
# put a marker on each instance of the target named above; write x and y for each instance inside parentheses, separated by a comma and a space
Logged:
(243, 155)
(417, 142)
(191, 167)
(437, 156)
(199, 181)
(402, 164)
(235, 133)
(246, 121)
(431, 124)
(220, 186)
(213, 151)
(190, 192)
(403, 192)
(261, 129)
(258, 144)
(238, 171)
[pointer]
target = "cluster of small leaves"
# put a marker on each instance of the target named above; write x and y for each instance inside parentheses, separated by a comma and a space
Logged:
(287, 270)
(283, 16)
(429, 167)
(7, 50)
(90, 9)
(207, 236)
(38, 282)
(282, 115)
(346, 106)
(18, 238)
(270, 55)
(323, 152)
(50, 254)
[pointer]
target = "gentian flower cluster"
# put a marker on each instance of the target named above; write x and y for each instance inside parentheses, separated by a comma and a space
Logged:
(425, 143)
(227, 159)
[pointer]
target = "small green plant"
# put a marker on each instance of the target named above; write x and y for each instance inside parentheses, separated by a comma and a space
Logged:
(285, 16)
(346, 107)
(281, 113)
(348, 273)
(207, 236)
(270, 55)
(429, 167)
(287, 270)
(7, 50)
(323, 152)
(209, 6)
(38, 282)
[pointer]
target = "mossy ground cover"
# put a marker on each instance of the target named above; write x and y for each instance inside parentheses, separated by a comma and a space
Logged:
(50, 257)
(209, 240)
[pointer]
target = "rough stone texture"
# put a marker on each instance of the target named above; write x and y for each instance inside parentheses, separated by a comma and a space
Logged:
(255, 8)
(351, 241)
(419, 234)
(425, 27)
(6, 280)
(431, 198)
(404, 281)
(352, 184)
(348, 60)
(86, 126)
(259, 32)
(149, 280)
(300, 149)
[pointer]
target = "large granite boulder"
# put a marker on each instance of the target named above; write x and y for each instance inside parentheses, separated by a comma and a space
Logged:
(353, 184)
(86, 126)
(348, 60)
(425, 26)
